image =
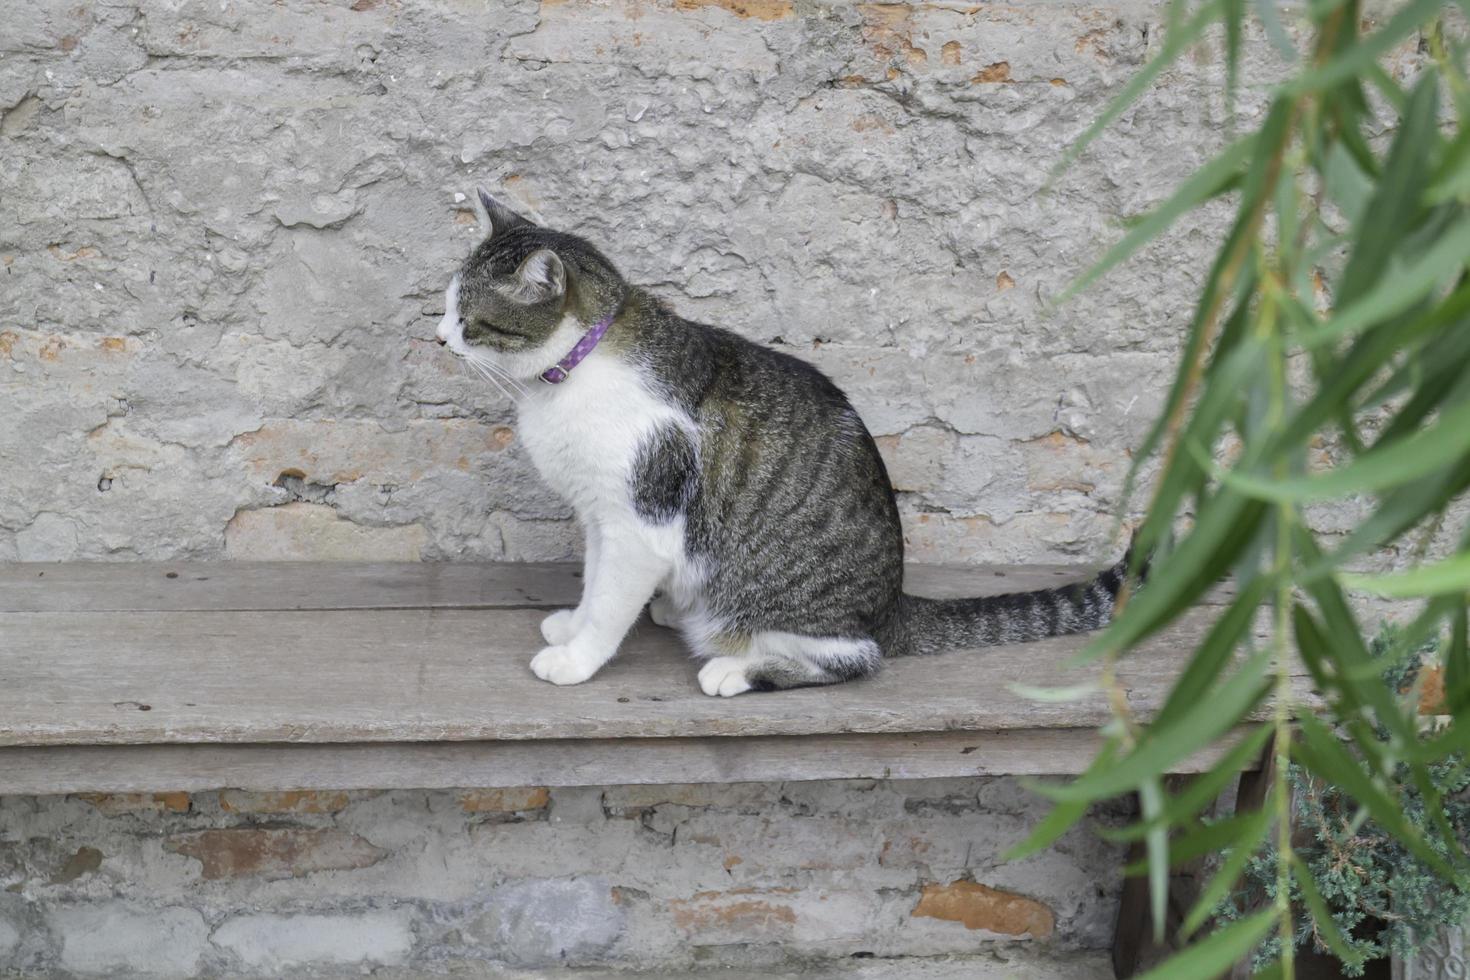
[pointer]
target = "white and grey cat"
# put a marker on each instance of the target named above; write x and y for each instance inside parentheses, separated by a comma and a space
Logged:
(733, 482)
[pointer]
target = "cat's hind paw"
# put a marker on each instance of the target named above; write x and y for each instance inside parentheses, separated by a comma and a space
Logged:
(559, 627)
(724, 677)
(562, 665)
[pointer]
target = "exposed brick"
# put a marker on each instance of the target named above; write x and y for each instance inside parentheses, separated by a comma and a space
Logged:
(1431, 691)
(977, 906)
(292, 801)
(1000, 71)
(274, 852)
(758, 9)
(114, 804)
(512, 800)
(757, 915)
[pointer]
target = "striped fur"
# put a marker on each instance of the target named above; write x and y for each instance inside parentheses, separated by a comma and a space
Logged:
(734, 481)
(937, 625)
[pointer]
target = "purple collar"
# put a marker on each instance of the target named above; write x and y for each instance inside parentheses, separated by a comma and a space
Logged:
(562, 369)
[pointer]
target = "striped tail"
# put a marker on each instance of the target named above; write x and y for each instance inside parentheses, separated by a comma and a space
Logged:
(936, 625)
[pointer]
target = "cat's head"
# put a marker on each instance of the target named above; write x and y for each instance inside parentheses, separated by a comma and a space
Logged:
(526, 294)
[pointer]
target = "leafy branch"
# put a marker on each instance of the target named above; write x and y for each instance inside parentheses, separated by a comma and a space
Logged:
(1356, 187)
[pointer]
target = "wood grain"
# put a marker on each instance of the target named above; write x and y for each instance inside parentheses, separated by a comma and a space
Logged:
(459, 674)
(284, 675)
(240, 586)
(553, 762)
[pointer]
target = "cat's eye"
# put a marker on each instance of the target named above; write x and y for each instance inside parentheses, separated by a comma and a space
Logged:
(480, 327)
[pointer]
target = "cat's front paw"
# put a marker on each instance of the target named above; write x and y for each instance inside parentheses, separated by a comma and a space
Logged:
(724, 676)
(559, 627)
(562, 665)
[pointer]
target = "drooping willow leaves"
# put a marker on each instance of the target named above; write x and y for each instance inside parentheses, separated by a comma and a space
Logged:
(1347, 256)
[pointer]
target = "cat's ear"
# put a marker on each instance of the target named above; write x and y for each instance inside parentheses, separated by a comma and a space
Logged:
(541, 277)
(495, 218)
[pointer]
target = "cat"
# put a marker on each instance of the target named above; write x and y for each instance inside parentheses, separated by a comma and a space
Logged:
(731, 485)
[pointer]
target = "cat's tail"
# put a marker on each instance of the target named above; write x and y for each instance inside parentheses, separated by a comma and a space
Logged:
(936, 625)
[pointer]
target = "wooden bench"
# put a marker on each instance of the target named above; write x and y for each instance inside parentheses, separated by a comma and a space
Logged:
(275, 676)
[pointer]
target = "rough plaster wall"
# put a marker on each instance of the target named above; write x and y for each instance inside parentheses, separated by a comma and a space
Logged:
(225, 228)
(795, 876)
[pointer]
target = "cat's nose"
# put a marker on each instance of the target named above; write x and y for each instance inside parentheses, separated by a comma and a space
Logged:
(440, 341)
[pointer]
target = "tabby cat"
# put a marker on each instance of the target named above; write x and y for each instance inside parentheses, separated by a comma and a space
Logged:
(731, 484)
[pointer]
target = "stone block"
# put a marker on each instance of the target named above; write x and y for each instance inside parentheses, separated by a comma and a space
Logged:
(550, 922)
(114, 937)
(282, 942)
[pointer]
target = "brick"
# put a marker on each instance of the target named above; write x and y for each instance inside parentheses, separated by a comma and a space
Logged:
(758, 915)
(293, 801)
(277, 942)
(620, 799)
(116, 804)
(1431, 690)
(513, 800)
(979, 907)
(273, 852)
(758, 9)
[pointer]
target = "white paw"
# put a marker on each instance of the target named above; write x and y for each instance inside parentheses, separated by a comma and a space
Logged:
(559, 627)
(561, 665)
(724, 676)
(662, 612)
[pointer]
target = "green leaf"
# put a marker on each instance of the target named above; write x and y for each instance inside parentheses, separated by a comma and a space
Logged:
(1325, 925)
(1055, 695)
(1410, 459)
(1457, 664)
(1211, 180)
(1351, 62)
(1064, 816)
(1202, 790)
(1175, 42)
(1213, 653)
(1392, 211)
(1214, 837)
(1224, 528)
(1399, 289)
(1223, 882)
(1156, 844)
(1442, 578)
(1244, 933)
(1270, 18)
(1162, 748)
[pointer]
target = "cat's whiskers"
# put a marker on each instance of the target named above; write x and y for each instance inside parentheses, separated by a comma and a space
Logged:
(491, 368)
(482, 369)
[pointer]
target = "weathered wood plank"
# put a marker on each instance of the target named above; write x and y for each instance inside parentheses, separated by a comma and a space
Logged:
(228, 586)
(461, 674)
(564, 762)
(242, 586)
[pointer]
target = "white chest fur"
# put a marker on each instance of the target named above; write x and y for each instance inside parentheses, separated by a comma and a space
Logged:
(584, 434)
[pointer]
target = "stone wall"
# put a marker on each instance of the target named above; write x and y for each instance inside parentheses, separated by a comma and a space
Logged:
(225, 229)
(837, 879)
